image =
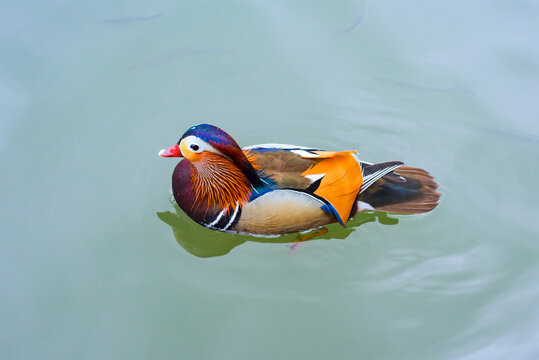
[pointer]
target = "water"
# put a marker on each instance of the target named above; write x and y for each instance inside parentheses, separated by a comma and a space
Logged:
(96, 263)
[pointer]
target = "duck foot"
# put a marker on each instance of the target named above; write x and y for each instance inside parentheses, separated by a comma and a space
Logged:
(298, 242)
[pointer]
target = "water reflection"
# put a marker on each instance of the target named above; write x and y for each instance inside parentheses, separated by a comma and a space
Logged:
(203, 242)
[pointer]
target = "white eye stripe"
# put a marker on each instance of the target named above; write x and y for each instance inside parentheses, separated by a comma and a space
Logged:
(197, 145)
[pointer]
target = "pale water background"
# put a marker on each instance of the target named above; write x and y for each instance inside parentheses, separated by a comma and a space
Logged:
(89, 92)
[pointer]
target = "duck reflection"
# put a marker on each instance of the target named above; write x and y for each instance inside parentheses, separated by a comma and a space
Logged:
(203, 242)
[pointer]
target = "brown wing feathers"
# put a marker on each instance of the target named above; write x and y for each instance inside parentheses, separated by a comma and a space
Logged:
(409, 190)
(406, 190)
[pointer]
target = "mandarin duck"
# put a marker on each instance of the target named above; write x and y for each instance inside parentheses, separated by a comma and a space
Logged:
(276, 189)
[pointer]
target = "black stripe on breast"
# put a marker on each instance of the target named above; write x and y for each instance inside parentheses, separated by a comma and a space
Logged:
(226, 221)
(235, 220)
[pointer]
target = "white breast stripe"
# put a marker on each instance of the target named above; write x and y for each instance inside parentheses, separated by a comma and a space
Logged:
(214, 222)
(232, 217)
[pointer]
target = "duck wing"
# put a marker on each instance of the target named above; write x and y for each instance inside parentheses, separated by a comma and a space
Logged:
(334, 177)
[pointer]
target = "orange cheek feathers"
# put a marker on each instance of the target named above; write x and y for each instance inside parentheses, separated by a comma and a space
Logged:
(188, 154)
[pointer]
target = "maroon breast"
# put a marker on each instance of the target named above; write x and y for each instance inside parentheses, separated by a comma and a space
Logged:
(211, 216)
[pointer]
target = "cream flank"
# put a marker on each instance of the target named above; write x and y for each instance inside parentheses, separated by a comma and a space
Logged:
(282, 211)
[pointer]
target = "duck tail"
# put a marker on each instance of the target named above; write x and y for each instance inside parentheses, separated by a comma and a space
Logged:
(407, 190)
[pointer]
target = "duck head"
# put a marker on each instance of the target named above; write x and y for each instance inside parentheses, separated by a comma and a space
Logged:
(219, 165)
(201, 141)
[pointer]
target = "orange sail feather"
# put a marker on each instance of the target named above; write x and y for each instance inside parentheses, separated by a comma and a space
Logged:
(341, 181)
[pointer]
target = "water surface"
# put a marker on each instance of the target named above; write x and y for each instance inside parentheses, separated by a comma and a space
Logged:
(96, 262)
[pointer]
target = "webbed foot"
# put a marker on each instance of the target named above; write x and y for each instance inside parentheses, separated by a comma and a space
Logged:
(298, 242)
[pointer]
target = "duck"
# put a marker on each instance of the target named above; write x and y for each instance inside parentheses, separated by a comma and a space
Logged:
(276, 189)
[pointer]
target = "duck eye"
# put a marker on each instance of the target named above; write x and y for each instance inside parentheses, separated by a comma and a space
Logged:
(194, 147)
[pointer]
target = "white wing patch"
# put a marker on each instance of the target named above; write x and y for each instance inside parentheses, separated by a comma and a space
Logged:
(305, 154)
(277, 146)
(315, 177)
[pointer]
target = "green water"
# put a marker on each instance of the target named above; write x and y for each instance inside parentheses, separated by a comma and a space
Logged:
(95, 262)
